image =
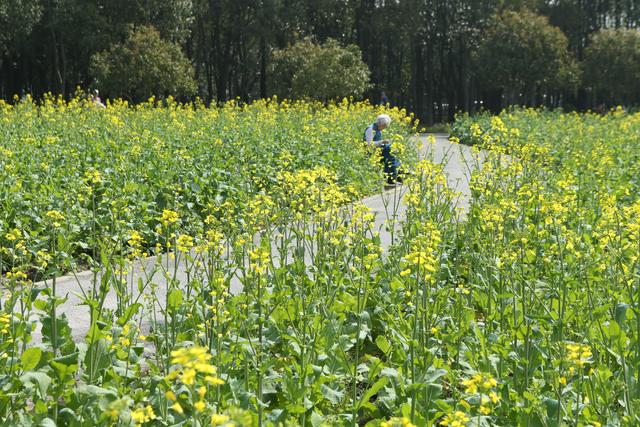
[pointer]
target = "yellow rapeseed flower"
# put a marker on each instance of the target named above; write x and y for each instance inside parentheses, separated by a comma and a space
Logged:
(455, 419)
(219, 419)
(397, 422)
(56, 218)
(190, 362)
(143, 415)
(169, 217)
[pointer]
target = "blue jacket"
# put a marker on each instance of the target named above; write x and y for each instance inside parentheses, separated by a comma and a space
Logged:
(377, 133)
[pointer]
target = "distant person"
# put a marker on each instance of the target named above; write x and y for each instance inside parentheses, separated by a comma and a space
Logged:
(373, 138)
(383, 98)
(95, 99)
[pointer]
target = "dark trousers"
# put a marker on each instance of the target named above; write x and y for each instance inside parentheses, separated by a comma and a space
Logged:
(390, 162)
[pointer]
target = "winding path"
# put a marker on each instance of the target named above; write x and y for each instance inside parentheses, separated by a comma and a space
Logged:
(457, 160)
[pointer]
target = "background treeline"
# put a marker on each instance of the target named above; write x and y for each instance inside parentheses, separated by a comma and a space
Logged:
(435, 57)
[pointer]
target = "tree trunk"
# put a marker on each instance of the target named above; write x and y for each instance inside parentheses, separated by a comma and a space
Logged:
(263, 66)
(418, 94)
(57, 76)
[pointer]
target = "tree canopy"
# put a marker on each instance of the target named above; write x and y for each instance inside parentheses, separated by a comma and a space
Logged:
(325, 72)
(422, 53)
(612, 65)
(143, 66)
(17, 18)
(522, 54)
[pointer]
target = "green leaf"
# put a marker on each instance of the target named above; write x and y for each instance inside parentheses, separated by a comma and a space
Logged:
(383, 343)
(96, 358)
(95, 391)
(529, 256)
(373, 390)
(129, 313)
(433, 375)
(333, 396)
(316, 419)
(614, 329)
(175, 299)
(40, 305)
(47, 422)
(62, 370)
(41, 407)
(68, 359)
(30, 358)
(552, 408)
(621, 313)
(42, 380)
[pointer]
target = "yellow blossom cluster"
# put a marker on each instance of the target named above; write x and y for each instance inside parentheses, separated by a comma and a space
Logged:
(5, 319)
(578, 354)
(220, 420)
(455, 419)
(260, 260)
(55, 217)
(92, 177)
(423, 256)
(482, 382)
(17, 276)
(143, 415)
(397, 422)
(191, 362)
(135, 244)
(184, 243)
(169, 217)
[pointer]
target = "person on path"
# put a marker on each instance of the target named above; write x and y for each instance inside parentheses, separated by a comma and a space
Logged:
(373, 139)
(95, 99)
(384, 100)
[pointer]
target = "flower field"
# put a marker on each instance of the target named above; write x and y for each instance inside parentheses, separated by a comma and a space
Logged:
(523, 311)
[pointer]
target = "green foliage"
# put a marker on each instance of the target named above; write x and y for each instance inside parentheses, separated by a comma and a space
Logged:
(272, 300)
(612, 65)
(17, 19)
(172, 18)
(323, 72)
(521, 53)
(143, 66)
(149, 160)
(108, 187)
(420, 52)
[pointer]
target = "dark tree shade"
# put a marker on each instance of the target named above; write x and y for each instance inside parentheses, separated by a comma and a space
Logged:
(420, 52)
(612, 66)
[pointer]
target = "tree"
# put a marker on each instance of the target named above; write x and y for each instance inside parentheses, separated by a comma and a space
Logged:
(522, 55)
(422, 53)
(17, 19)
(172, 18)
(327, 71)
(612, 65)
(144, 65)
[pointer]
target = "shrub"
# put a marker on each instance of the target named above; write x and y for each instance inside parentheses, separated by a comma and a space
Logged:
(612, 65)
(144, 65)
(324, 72)
(521, 53)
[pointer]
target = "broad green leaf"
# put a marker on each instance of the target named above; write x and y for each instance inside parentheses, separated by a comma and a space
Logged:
(175, 299)
(333, 396)
(30, 358)
(383, 343)
(40, 379)
(373, 390)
